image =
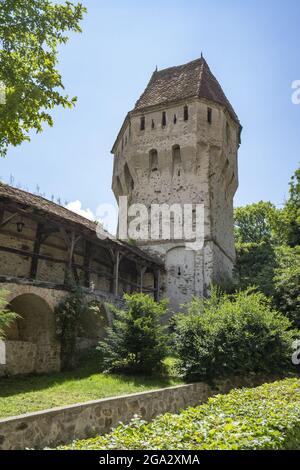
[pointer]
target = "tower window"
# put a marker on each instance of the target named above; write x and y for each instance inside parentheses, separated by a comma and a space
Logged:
(164, 119)
(176, 163)
(209, 115)
(175, 119)
(153, 160)
(179, 271)
(185, 113)
(142, 123)
(152, 124)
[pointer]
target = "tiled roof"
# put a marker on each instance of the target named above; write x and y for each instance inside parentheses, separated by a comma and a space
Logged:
(51, 210)
(193, 79)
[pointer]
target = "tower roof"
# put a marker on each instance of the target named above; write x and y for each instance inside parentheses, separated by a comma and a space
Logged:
(193, 79)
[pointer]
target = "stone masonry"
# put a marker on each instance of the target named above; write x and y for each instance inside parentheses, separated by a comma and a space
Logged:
(179, 145)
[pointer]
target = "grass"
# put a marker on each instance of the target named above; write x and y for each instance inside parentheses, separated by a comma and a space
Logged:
(265, 417)
(25, 394)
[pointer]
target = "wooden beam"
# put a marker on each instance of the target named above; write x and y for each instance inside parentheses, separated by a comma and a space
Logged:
(8, 219)
(1, 213)
(116, 273)
(141, 271)
(36, 251)
(87, 262)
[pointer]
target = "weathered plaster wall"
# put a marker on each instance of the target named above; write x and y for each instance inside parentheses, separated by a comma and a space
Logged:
(63, 425)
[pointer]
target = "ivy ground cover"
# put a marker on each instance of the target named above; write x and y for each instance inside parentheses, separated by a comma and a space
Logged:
(265, 417)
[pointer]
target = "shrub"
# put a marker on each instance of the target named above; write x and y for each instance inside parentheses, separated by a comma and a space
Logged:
(228, 334)
(137, 341)
(287, 282)
(262, 418)
(71, 314)
(6, 317)
(255, 265)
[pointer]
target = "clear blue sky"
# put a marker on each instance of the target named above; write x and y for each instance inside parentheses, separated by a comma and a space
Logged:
(251, 46)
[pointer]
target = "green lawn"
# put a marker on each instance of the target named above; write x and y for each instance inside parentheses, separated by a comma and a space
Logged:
(32, 393)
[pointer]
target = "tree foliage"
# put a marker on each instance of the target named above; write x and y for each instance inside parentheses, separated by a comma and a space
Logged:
(30, 34)
(287, 283)
(255, 223)
(136, 341)
(231, 334)
(263, 235)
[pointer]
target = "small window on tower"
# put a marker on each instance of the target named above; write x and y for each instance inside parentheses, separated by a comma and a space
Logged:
(175, 119)
(209, 115)
(152, 124)
(142, 123)
(185, 113)
(164, 119)
(179, 271)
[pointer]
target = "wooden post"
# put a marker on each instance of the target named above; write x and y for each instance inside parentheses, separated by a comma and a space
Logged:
(70, 245)
(1, 213)
(36, 251)
(141, 270)
(87, 263)
(116, 273)
(156, 284)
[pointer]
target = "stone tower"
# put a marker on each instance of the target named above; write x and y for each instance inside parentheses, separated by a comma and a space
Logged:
(179, 145)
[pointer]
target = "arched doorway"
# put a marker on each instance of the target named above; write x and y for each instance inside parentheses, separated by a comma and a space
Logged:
(180, 266)
(31, 340)
(92, 326)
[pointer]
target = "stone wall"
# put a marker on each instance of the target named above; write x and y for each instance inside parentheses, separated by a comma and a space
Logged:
(63, 425)
(31, 344)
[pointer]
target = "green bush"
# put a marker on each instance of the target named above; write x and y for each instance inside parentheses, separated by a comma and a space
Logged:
(136, 341)
(228, 334)
(262, 418)
(287, 282)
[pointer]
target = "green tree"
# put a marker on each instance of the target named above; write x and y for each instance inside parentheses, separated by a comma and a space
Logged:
(30, 34)
(255, 223)
(136, 341)
(6, 316)
(291, 212)
(255, 265)
(257, 237)
(287, 283)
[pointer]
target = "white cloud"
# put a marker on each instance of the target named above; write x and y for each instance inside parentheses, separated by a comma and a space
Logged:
(76, 206)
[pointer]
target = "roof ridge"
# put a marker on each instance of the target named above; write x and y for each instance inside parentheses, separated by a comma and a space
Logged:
(200, 76)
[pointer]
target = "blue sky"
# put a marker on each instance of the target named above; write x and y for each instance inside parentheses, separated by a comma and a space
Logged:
(252, 47)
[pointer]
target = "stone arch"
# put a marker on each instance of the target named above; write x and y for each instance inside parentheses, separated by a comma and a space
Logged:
(32, 342)
(92, 325)
(180, 267)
